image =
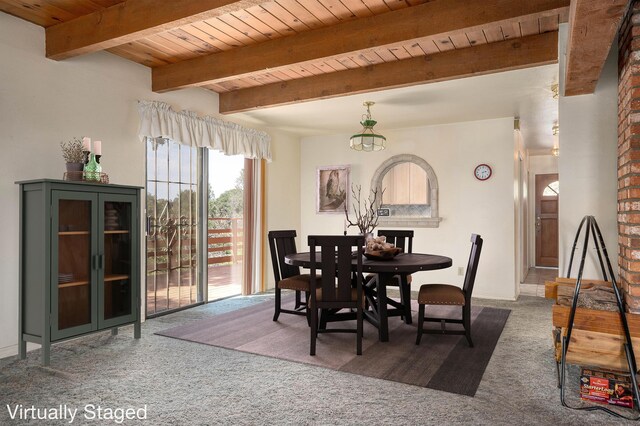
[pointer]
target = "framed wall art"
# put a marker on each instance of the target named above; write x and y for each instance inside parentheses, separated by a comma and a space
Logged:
(332, 189)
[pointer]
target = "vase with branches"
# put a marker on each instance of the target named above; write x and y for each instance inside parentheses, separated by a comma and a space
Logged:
(365, 215)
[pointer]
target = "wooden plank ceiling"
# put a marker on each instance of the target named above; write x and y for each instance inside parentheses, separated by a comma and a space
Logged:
(259, 53)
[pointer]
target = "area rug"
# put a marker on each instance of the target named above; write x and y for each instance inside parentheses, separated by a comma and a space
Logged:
(442, 362)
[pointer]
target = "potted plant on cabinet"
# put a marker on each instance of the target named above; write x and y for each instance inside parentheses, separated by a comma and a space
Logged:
(74, 157)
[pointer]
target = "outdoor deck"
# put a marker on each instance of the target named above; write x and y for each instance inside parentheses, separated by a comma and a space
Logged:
(173, 244)
(224, 281)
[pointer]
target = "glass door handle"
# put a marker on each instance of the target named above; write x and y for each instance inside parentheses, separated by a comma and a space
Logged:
(97, 261)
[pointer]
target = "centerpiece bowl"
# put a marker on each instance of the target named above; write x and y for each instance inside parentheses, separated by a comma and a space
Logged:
(382, 254)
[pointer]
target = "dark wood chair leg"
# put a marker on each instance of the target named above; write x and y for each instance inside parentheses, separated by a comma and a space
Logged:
(308, 311)
(466, 318)
(313, 330)
(276, 314)
(405, 298)
(359, 331)
(323, 319)
(298, 301)
(420, 322)
(403, 301)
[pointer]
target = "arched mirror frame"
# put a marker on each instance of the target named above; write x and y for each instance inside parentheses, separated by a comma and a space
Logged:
(432, 221)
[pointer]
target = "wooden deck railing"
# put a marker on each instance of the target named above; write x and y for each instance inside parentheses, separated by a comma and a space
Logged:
(224, 246)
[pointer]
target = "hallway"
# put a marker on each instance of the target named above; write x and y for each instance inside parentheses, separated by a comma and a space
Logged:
(533, 284)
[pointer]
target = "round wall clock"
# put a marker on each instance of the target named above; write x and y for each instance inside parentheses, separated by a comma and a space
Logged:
(482, 172)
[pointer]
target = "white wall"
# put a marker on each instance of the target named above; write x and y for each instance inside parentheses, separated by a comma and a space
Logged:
(43, 102)
(520, 200)
(466, 204)
(283, 191)
(588, 162)
(538, 165)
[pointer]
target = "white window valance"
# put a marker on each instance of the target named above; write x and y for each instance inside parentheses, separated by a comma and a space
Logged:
(158, 119)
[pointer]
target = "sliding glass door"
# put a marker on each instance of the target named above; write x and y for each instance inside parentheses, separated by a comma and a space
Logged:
(225, 236)
(172, 225)
(193, 192)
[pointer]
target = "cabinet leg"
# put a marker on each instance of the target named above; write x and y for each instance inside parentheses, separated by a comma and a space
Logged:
(22, 349)
(137, 331)
(46, 352)
(114, 331)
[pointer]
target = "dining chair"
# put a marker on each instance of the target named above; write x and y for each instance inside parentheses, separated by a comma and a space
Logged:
(445, 294)
(339, 287)
(402, 239)
(282, 243)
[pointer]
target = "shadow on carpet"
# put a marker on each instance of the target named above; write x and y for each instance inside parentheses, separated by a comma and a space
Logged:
(441, 362)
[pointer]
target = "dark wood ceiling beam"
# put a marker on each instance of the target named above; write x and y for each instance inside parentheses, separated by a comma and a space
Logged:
(593, 25)
(525, 52)
(439, 18)
(132, 20)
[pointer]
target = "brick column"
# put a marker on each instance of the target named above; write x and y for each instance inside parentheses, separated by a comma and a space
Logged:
(629, 156)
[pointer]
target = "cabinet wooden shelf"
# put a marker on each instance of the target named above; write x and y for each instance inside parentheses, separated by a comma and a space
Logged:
(78, 274)
(72, 284)
(115, 277)
(73, 233)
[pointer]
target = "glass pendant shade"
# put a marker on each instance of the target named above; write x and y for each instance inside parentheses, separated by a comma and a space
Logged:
(367, 139)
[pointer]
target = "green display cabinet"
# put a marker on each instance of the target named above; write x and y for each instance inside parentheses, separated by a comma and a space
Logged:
(79, 260)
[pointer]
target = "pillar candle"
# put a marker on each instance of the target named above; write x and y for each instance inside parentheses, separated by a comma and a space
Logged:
(86, 144)
(97, 147)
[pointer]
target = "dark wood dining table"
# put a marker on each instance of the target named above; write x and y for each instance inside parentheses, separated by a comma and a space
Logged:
(402, 264)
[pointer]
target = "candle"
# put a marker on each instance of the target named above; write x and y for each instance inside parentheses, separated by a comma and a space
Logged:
(97, 147)
(86, 144)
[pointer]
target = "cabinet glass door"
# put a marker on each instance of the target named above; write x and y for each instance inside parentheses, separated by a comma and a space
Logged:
(116, 261)
(74, 241)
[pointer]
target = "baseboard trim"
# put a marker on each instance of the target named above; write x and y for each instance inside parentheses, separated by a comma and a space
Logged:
(9, 351)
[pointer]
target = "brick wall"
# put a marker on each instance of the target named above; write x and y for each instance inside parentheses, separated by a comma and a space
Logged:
(629, 156)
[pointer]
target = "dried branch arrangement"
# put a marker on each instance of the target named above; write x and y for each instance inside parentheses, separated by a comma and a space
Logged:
(366, 218)
(72, 151)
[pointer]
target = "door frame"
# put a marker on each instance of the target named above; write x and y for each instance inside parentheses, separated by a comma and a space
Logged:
(537, 214)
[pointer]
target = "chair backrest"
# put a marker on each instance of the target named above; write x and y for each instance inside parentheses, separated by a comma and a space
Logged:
(472, 266)
(401, 239)
(282, 243)
(332, 255)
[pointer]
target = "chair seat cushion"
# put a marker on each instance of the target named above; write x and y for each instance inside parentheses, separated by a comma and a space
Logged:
(440, 294)
(297, 282)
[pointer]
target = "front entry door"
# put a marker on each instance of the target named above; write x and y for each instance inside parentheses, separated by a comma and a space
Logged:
(547, 194)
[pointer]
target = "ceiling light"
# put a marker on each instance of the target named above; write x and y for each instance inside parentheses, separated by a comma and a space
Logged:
(555, 151)
(367, 139)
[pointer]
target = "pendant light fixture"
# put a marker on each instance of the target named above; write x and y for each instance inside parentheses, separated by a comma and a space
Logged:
(555, 151)
(367, 139)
